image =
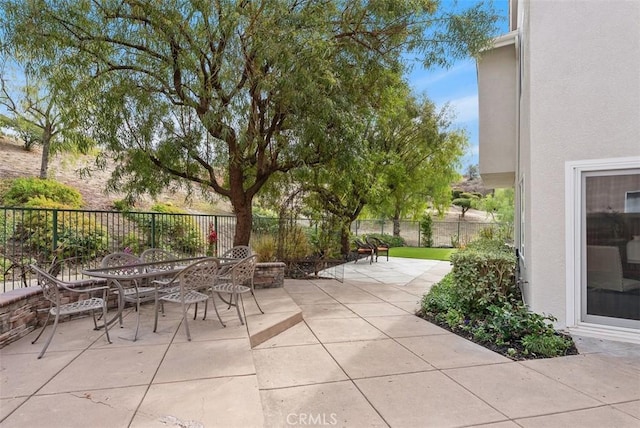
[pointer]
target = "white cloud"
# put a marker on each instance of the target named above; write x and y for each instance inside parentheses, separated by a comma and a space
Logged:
(421, 80)
(465, 108)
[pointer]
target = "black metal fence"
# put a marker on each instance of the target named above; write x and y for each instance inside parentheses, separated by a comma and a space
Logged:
(41, 236)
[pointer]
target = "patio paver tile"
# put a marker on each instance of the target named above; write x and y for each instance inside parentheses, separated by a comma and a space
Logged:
(108, 368)
(518, 391)
(375, 309)
(328, 310)
(295, 365)
(375, 358)
(632, 408)
(209, 402)
(427, 399)
(593, 374)
(405, 326)
(328, 404)
(599, 417)
(96, 408)
(214, 358)
(343, 330)
(448, 350)
(299, 334)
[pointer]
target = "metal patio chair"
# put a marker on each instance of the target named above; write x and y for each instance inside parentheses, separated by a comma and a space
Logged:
(52, 291)
(193, 284)
(233, 283)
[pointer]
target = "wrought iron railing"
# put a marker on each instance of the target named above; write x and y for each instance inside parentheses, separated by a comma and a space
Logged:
(43, 236)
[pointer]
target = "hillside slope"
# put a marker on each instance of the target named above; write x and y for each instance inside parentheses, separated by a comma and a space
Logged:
(16, 162)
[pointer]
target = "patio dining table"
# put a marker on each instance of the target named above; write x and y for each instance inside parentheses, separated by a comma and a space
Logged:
(137, 274)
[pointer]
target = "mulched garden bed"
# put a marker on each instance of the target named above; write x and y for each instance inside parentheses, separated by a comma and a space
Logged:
(507, 351)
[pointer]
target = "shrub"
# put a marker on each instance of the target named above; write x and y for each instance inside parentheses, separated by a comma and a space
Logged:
(173, 231)
(265, 247)
(479, 300)
(483, 278)
(393, 241)
(294, 243)
(36, 191)
(426, 231)
(75, 232)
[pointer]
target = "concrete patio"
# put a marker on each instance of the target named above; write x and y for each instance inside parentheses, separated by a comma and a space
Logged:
(354, 356)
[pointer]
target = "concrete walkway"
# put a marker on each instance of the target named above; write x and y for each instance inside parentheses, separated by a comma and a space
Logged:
(358, 359)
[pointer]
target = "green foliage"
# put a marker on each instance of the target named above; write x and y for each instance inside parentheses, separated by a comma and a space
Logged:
(264, 224)
(439, 299)
(255, 89)
(295, 243)
(483, 278)
(479, 300)
(426, 230)
(122, 205)
(28, 132)
(172, 228)
(23, 190)
(392, 241)
(265, 247)
(76, 233)
(551, 345)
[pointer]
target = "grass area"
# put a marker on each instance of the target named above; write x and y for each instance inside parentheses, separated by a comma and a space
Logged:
(422, 253)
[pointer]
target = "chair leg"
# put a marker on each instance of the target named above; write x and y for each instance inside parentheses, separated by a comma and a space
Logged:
(206, 307)
(238, 307)
(213, 302)
(155, 322)
(186, 323)
(256, 300)
(104, 317)
(53, 330)
(43, 327)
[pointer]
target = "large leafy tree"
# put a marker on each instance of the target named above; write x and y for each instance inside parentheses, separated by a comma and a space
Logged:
(39, 116)
(422, 152)
(223, 94)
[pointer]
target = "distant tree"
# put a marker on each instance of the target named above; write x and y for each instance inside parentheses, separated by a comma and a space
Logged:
(473, 171)
(466, 201)
(39, 117)
(419, 152)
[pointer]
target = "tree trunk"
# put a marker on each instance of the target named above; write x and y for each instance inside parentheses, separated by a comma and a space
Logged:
(46, 144)
(345, 242)
(244, 223)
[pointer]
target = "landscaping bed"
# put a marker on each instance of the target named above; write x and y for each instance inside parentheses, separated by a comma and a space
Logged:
(480, 301)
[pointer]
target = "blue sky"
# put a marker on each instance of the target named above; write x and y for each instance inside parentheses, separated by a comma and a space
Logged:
(458, 85)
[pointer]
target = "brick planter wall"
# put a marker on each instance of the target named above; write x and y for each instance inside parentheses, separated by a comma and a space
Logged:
(24, 309)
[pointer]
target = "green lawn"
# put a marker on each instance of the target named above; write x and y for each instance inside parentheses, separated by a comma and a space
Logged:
(422, 253)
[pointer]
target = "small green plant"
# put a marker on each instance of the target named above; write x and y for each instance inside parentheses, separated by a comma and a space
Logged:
(549, 345)
(426, 231)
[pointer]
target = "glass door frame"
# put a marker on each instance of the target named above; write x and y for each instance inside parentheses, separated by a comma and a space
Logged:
(576, 318)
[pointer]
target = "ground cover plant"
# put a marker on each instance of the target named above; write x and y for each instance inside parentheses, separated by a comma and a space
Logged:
(479, 300)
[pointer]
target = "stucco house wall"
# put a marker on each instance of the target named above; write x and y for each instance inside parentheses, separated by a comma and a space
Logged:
(578, 99)
(583, 82)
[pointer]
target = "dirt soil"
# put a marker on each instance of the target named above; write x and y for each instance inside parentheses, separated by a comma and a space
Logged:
(17, 162)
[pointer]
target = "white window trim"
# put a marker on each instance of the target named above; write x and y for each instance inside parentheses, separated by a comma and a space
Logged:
(573, 245)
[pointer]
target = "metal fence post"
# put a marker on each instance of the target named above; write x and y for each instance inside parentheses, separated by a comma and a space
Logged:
(153, 230)
(54, 239)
